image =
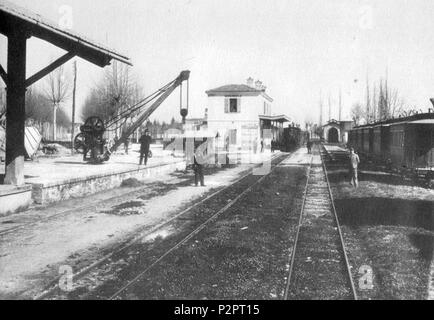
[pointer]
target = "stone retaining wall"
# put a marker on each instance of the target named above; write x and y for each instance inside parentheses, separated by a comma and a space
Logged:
(75, 188)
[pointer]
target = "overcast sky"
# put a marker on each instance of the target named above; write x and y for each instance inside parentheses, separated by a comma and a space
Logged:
(297, 48)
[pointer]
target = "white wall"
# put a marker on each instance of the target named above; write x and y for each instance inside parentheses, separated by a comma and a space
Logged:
(221, 122)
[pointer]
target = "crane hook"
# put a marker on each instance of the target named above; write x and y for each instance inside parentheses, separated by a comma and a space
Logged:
(184, 111)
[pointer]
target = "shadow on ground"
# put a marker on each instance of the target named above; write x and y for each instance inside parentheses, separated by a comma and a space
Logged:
(356, 212)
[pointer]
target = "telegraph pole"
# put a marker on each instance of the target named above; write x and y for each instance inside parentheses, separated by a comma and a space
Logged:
(320, 109)
(73, 105)
(340, 104)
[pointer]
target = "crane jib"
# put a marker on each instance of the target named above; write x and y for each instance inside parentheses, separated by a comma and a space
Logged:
(91, 143)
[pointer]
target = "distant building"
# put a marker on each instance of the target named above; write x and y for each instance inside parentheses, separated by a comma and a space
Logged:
(239, 114)
(195, 124)
(337, 131)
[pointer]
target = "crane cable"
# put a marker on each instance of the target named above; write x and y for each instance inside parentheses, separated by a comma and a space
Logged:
(128, 112)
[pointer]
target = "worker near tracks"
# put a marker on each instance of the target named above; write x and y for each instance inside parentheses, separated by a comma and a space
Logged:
(309, 147)
(199, 159)
(145, 145)
(354, 167)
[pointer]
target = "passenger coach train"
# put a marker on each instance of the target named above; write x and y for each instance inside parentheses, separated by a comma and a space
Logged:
(404, 143)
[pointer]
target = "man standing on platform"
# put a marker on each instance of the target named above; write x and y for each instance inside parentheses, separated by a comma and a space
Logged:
(145, 145)
(199, 160)
(309, 147)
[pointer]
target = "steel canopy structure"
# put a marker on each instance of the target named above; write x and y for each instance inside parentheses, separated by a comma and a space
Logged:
(19, 24)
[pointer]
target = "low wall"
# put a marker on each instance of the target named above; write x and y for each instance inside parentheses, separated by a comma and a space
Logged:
(51, 192)
(14, 199)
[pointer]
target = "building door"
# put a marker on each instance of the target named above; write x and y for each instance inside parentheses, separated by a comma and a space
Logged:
(233, 137)
(333, 135)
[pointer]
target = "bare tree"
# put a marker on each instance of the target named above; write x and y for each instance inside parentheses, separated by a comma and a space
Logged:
(39, 110)
(58, 88)
(384, 102)
(358, 113)
(113, 94)
(389, 103)
(368, 102)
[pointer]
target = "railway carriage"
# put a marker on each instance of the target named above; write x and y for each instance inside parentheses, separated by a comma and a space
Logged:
(360, 139)
(406, 143)
(377, 143)
(355, 139)
(367, 144)
(381, 141)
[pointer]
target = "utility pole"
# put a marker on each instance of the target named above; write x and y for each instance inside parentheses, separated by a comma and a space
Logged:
(340, 104)
(117, 96)
(320, 109)
(73, 105)
(55, 107)
(368, 101)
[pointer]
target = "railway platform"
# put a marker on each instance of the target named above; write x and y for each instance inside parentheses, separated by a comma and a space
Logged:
(61, 178)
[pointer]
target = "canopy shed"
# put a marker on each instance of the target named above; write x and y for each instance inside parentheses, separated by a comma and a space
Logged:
(18, 25)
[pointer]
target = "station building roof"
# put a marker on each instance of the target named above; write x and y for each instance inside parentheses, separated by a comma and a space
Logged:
(237, 90)
(280, 119)
(14, 18)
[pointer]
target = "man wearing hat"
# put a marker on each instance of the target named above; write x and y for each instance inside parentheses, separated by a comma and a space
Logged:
(145, 144)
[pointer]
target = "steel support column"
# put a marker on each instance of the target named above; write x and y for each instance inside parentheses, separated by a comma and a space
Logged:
(16, 110)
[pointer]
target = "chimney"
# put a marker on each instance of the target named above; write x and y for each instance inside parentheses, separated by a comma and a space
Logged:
(258, 85)
(250, 82)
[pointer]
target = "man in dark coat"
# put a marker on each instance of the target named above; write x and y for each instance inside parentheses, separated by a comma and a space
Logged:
(145, 145)
(199, 159)
(309, 147)
(198, 172)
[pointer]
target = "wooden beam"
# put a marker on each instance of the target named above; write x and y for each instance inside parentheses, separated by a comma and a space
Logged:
(4, 75)
(16, 110)
(53, 66)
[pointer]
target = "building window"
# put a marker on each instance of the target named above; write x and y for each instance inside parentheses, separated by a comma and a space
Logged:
(232, 105)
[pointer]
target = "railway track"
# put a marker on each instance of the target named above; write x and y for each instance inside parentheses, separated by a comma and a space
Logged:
(319, 267)
(241, 187)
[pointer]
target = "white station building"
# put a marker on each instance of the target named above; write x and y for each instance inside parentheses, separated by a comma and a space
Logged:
(239, 114)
